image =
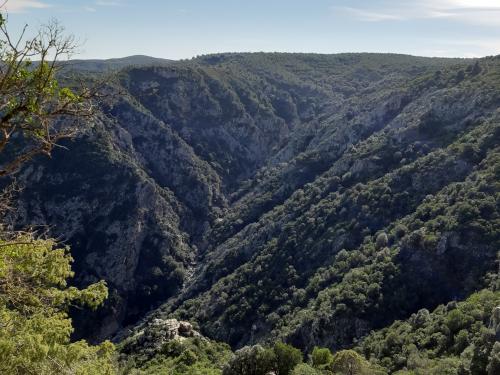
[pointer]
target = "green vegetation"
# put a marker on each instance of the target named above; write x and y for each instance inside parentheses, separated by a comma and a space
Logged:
(344, 207)
(350, 363)
(35, 328)
(190, 356)
(254, 360)
(336, 149)
(372, 237)
(284, 359)
(287, 357)
(321, 358)
(457, 338)
(34, 298)
(32, 98)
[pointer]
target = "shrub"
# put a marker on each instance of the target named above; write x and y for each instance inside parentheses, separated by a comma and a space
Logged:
(287, 357)
(321, 357)
(305, 369)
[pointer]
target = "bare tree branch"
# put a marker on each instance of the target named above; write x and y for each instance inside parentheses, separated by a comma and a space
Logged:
(35, 111)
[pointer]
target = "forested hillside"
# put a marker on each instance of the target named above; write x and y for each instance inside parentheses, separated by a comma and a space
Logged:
(345, 201)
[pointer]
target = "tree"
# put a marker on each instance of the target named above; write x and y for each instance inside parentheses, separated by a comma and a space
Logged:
(287, 357)
(305, 369)
(34, 325)
(348, 362)
(251, 360)
(321, 357)
(494, 360)
(381, 241)
(35, 110)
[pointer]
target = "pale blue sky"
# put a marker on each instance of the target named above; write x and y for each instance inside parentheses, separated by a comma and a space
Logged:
(184, 28)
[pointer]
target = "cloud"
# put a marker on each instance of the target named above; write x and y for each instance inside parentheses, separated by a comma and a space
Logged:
(108, 3)
(16, 6)
(475, 3)
(94, 7)
(370, 16)
(481, 12)
(477, 48)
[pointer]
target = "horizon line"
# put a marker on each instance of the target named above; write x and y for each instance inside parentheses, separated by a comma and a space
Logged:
(76, 58)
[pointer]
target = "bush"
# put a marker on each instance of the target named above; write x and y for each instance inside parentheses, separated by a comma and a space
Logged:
(321, 357)
(287, 357)
(381, 241)
(494, 361)
(305, 369)
(348, 362)
(254, 360)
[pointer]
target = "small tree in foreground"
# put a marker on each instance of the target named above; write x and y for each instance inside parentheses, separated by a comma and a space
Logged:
(35, 110)
(34, 326)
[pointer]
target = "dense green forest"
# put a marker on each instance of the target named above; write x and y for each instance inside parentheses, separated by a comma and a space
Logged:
(264, 213)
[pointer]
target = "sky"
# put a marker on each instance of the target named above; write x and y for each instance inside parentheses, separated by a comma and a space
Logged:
(178, 29)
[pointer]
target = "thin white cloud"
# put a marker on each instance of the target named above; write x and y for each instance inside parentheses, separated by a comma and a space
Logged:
(477, 48)
(481, 12)
(370, 16)
(16, 6)
(453, 47)
(108, 3)
(94, 7)
(475, 3)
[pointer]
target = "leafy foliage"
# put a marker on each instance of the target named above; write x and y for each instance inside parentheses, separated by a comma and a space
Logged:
(454, 338)
(36, 111)
(191, 356)
(287, 357)
(305, 369)
(321, 358)
(369, 237)
(349, 362)
(35, 328)
(254, 360)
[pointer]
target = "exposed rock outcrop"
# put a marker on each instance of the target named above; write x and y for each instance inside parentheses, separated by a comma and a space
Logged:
(152, 337)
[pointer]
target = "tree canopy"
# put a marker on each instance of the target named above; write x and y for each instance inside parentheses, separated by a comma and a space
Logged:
(34, 297)
(36, 111)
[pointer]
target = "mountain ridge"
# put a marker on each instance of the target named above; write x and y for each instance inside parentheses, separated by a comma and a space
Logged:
(247, 192)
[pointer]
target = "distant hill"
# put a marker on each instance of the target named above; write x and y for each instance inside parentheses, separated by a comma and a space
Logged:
(96, 65)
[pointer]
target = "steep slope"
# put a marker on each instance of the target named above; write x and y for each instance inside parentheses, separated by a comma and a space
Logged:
(123, 225)
(266, 276)
(248, 192)
(454, 338)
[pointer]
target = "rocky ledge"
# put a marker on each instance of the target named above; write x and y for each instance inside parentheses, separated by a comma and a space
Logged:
(152, 338)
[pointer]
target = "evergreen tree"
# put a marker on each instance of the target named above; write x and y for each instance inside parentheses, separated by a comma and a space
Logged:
(35, 328)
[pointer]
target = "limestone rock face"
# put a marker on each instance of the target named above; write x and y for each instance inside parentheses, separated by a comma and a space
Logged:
(154, 335)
